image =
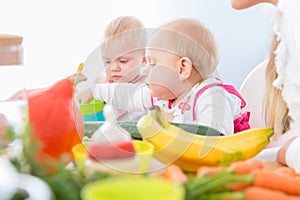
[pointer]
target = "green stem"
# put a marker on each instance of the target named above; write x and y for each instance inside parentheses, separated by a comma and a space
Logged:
(201, 187)
(195, 183)
(224, 195)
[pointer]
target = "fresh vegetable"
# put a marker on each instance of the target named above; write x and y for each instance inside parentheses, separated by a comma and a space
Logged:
(252, 193)
(286, 170)
(131, 127)
(209, 171)
(55, 120)
(238, 186)
(6, 132)
(218, 183)
(243, 180)
(276, 181)
(239, 167)
(175, 174)
(246, 166)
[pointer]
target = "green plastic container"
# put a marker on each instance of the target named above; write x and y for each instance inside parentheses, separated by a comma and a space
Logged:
(93, 111)
(131, 188)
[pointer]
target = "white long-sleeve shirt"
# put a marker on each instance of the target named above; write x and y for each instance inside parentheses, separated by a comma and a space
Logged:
(215, 107)
(292, 157)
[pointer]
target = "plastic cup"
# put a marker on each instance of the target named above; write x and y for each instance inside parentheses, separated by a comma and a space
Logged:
(144, 151)
(129, 188)
(141, 162)
(93, 111)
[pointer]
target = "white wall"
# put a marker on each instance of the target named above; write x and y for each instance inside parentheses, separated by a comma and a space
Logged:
(59, 34)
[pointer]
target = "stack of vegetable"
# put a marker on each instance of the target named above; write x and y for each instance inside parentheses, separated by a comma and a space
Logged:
(242, 180)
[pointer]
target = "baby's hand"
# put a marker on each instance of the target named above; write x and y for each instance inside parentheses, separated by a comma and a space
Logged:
(85, 96)
(77, 78)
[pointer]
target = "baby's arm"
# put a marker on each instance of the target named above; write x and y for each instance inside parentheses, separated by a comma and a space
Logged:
(85, 96)
(125, 96)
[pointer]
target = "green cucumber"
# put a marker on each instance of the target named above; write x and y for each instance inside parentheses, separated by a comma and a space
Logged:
(91, 127)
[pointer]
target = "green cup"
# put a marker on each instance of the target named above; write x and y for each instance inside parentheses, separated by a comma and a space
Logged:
(91, 108)
(131, 188)
(93, 111)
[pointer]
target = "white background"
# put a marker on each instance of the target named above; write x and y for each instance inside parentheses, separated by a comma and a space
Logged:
(59, 34)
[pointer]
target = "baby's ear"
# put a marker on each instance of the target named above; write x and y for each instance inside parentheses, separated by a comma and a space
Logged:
(186, 67)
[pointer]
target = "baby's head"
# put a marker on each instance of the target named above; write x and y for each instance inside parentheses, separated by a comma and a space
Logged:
(186, 48)
(123, 48)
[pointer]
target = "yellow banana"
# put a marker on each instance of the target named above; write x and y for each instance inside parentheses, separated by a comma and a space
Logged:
(189, 151)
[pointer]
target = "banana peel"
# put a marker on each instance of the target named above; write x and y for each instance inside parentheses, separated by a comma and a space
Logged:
(189, 151)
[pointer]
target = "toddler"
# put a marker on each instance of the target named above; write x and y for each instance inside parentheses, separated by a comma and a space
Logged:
(123, 53)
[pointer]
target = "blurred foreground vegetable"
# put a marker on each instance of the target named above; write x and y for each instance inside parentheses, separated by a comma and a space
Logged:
(253, 182)
(55, 120)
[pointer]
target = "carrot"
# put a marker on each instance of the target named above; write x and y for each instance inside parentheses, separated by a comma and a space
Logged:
(237, 186)
(175, 174)
(208, 171)
(255, 193)
(246, 166)
(252, 193)
(277, 181)
(286, 170)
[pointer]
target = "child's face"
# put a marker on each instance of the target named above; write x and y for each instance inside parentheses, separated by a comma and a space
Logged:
(124, 68)
(164, 66)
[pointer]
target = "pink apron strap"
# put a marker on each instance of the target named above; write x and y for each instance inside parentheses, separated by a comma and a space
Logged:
(152, 101)
(229, 88)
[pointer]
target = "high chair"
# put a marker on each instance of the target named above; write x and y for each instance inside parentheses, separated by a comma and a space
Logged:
(253, 91)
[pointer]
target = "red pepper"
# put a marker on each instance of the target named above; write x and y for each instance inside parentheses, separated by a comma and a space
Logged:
(55, 120)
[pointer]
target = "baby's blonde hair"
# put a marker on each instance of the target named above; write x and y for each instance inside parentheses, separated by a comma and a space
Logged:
(122, 24)
(275, 108)
(188, 37)
(122, 35)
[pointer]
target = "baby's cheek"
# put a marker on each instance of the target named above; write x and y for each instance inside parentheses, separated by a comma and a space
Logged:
(162, 92)
(155, 89)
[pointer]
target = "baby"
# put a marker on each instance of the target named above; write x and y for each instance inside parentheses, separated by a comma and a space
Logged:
(123, 50)
(123, 54)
